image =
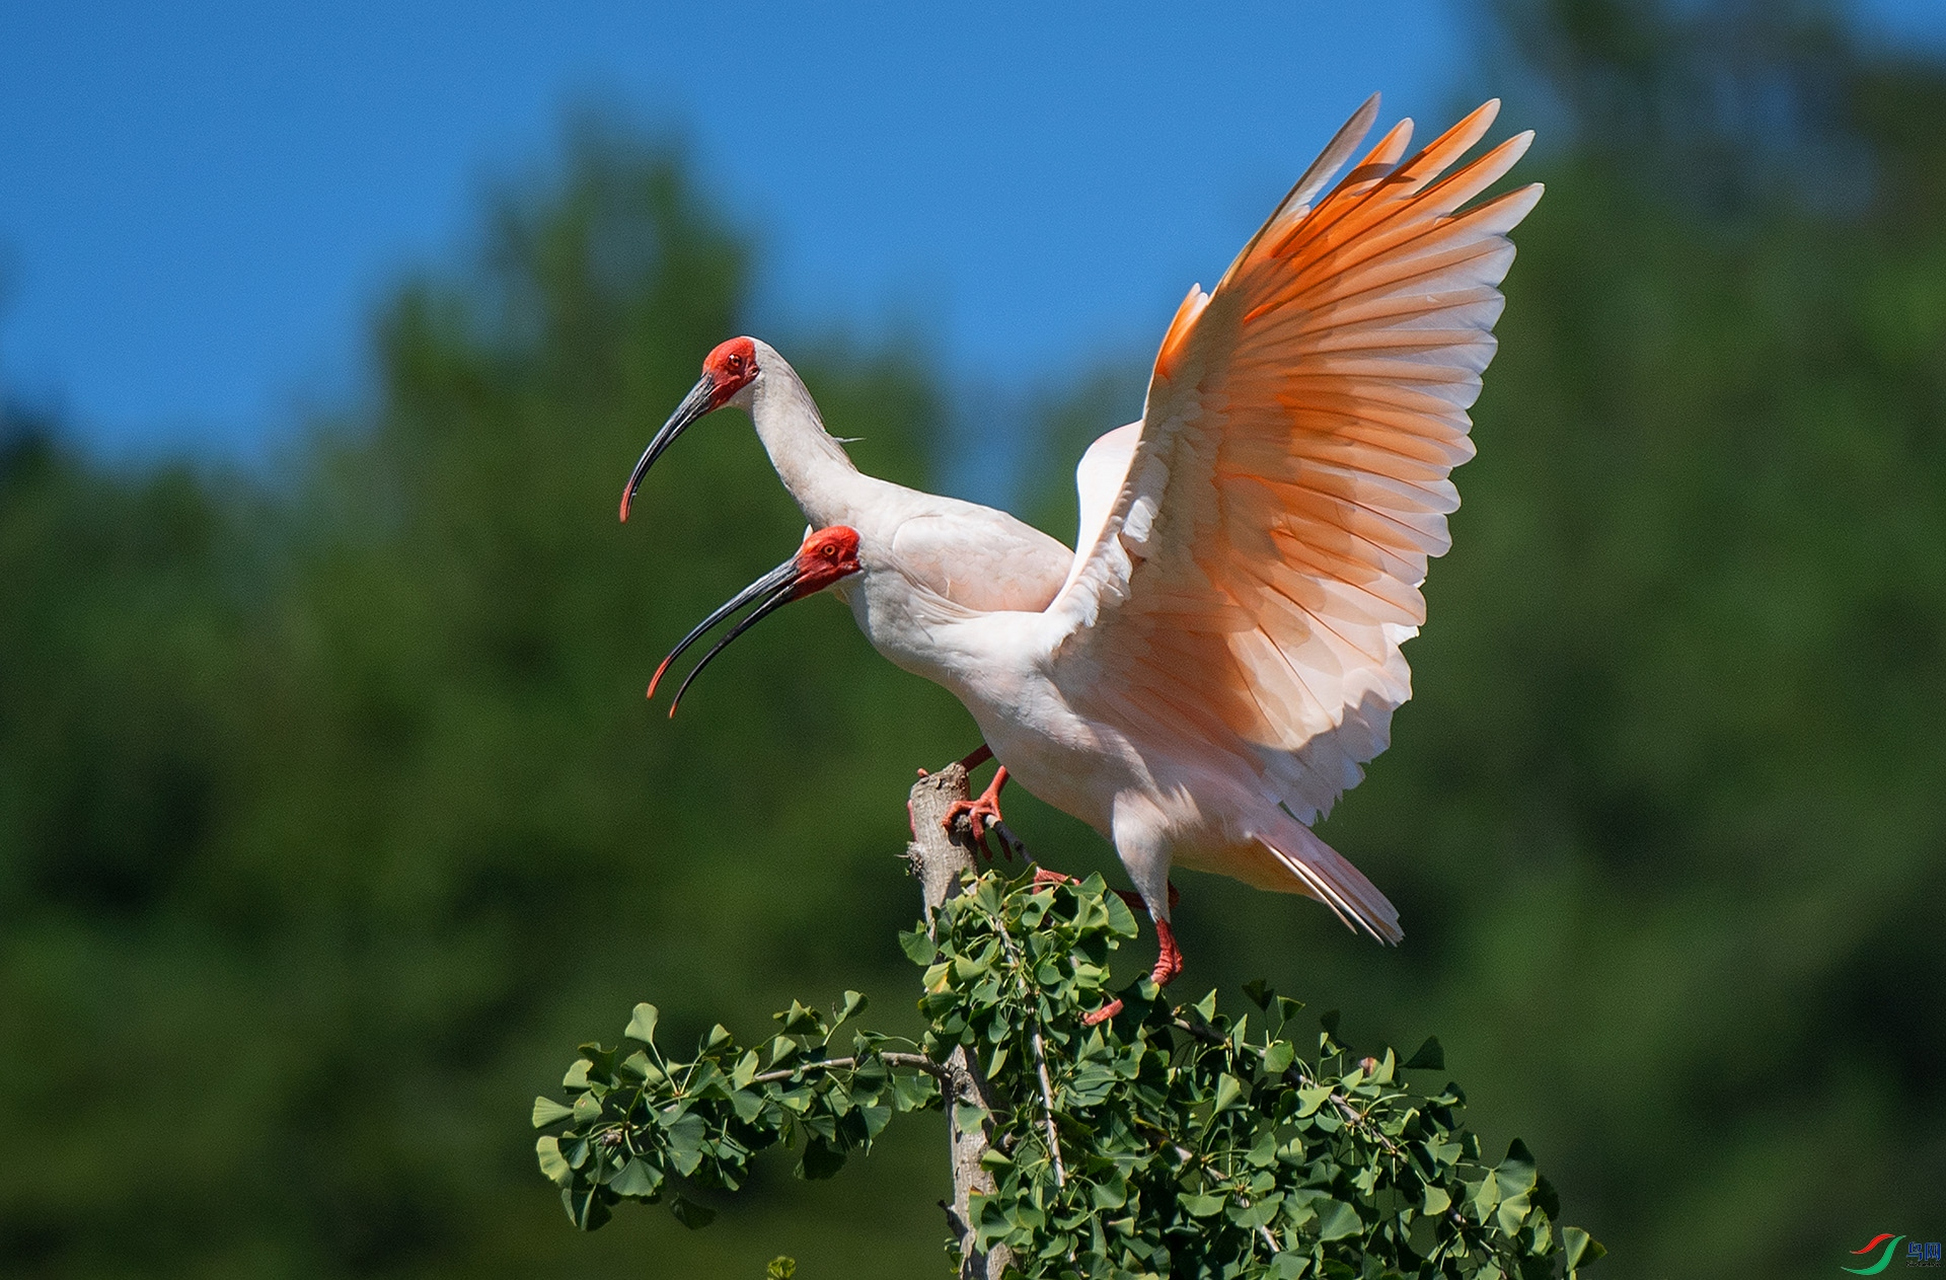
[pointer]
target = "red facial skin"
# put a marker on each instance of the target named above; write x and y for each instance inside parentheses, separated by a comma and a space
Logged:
(826, 556)
(730, 367)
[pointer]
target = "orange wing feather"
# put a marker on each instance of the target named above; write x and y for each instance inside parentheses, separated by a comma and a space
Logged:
(1248, 594)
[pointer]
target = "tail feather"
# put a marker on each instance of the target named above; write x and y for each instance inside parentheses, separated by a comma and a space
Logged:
(1328, 877)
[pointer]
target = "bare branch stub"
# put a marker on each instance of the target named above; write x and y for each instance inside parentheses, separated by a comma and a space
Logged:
(939, 859)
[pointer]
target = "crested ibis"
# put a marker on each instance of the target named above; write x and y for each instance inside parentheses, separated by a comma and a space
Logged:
(1213, 663)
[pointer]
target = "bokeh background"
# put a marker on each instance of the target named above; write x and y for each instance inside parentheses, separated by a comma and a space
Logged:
(331, 815)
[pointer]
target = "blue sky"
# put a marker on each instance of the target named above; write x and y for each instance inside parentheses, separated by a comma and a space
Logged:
(200, 202)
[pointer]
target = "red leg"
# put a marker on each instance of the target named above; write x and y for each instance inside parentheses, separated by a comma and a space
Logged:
(971, 761)
(1168, 961)
(981, 813)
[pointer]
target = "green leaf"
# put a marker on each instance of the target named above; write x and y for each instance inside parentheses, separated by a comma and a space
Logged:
(801, 1021)
(638, 1178)
(1257, 1213)
(1200, 1206)
(1427, 1057)
(642, 1025)
(1309, 1100)
(1229, 1092)
(780, 1268)
(1515, 1174)
(690, 1214)
(918, 947)
(1278, 1057)
(587, 1209)
(1580, 1248)
(821, 1160)
(577, 1076)
(1336, 1220)
(548, 1150)
(1512, 1212)
(1260, 993)
(1287, 1266)
(547, 1112)
(685, 1135)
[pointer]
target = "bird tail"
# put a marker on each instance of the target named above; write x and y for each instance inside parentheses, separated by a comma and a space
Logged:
(1323, 873)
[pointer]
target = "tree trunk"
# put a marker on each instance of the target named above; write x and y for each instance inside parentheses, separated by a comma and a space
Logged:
(938, 860)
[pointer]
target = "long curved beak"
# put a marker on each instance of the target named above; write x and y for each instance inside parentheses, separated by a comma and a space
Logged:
(775, 589)
(700, 400)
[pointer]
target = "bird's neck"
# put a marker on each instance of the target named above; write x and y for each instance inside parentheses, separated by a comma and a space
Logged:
(812, 465)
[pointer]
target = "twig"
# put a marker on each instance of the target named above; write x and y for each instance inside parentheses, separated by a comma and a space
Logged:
(917, 1061)
(939, 859)
(1040, 1066)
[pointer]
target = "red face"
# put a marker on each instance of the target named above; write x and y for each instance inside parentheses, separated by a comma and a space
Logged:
(731, 367)
(826, 556)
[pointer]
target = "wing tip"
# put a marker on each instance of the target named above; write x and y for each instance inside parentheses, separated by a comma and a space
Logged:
(1179, 330)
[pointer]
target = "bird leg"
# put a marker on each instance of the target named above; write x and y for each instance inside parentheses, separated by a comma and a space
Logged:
(1168, 961)
(973, 759)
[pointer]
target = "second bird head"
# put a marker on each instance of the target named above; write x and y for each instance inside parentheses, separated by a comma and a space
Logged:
(828, 556)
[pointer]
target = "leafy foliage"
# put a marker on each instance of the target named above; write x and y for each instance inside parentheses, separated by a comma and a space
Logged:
(1164, 1140)
(641, 1125)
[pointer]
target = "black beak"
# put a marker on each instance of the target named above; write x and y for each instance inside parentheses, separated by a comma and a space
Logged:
(700, 400)
(776, 589)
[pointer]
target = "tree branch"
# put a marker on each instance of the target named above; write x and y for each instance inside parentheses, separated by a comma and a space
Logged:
(938, 860)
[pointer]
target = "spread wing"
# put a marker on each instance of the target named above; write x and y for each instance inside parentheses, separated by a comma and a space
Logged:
(1247, 591)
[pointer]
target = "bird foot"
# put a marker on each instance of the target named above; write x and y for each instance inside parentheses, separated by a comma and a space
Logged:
(981, 815)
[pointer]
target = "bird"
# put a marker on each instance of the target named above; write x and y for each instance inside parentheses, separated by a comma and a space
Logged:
(1213, 663)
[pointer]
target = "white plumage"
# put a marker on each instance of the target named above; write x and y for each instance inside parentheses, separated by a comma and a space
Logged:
(1219, 656)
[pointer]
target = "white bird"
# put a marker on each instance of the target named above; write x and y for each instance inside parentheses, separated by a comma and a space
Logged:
(1209, 668)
